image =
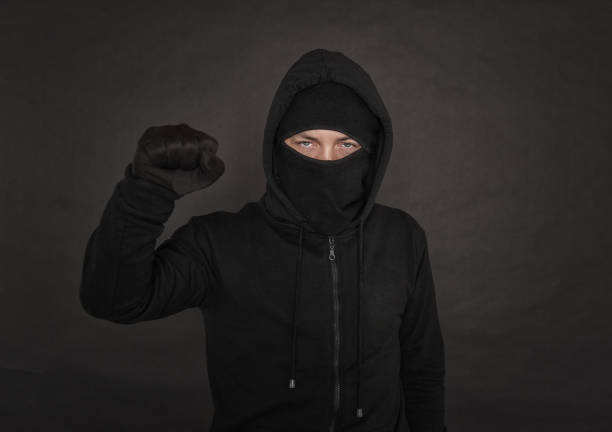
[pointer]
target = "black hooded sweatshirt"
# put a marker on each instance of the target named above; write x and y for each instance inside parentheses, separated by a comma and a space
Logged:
(305, 331)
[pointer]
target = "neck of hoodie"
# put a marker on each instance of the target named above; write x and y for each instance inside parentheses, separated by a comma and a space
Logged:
(330, 194)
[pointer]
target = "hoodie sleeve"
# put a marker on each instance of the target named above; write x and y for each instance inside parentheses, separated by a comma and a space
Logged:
(125, 279)
(422, 348)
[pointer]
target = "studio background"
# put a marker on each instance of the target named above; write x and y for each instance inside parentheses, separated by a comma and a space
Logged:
(501, 114)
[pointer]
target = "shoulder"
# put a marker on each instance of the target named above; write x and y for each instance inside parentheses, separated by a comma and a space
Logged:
(407, 230)
(395, 218)
(403, 226)
(219, 221)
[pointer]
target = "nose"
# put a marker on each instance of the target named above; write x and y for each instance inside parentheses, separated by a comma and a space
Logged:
(328, 153)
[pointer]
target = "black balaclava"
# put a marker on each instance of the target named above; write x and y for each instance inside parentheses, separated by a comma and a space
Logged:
(329, 193)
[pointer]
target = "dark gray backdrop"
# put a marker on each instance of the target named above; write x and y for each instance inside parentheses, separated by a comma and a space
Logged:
(502, 151)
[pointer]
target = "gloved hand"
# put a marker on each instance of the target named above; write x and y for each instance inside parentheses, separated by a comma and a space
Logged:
(177, 157)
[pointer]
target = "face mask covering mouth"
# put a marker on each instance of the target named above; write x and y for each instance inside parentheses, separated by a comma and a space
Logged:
(328, 193)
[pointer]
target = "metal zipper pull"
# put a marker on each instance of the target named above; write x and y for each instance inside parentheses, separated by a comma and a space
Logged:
(332, 243)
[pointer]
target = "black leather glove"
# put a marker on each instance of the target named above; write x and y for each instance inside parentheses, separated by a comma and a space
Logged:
(177, 157)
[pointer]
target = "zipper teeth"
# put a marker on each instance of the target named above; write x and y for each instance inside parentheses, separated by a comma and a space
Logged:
(334, 270)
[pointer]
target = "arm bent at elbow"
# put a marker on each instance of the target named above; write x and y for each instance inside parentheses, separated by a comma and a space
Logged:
(124, 278)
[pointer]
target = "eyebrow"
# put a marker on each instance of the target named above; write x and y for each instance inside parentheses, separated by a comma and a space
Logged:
(316, 139)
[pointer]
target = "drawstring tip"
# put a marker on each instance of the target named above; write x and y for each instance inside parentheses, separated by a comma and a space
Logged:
(292, 383)
(360, 412)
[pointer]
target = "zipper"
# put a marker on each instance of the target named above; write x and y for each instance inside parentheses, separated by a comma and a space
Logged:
(334, 275)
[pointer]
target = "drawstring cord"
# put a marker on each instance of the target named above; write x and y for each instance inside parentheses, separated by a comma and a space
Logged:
(359, 413)
(297, 287)
(298, 283)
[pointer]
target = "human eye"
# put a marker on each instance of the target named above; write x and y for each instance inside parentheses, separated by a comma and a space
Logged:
(305, 142)
(350, 144)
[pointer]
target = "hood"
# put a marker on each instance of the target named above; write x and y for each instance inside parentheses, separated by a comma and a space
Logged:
(314, 67)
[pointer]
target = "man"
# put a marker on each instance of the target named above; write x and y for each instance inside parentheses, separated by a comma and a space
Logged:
(319, 303)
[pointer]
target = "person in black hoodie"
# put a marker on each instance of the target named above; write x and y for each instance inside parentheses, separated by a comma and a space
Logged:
(319, 303)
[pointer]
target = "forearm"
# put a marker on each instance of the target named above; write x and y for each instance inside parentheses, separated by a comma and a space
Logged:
(119, 257)
(423, 375)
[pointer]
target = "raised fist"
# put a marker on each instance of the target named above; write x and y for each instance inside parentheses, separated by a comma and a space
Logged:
(178, 157)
